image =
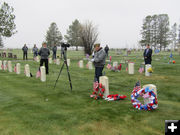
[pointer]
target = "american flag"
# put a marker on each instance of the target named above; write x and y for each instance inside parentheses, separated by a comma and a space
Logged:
(15, 69)
(38, 74)
(141, 69)
(137, 87)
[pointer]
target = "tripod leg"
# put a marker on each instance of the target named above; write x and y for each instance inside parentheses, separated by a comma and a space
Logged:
(68, 75)
(58, 75)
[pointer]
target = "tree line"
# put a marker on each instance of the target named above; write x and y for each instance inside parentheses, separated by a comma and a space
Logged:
(78, 35)
(156, 31)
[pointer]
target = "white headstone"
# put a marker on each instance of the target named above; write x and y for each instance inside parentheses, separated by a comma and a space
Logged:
(81, 65)
(37, 59)
(90, 66)
(131, 68)
(27, 70)
(18, 68)
(1, 63)
(43, 73)
(146, 69)
(68, 62)
(57, 61)
(104, 81)
(50, 60)
(151, 87)
(9, 66)
(115, 64)
(5, 65)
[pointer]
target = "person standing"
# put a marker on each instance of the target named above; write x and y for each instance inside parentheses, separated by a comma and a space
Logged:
(99, 61)
(44, 53)
(25, 50)
(147, 55)
(54, 49)
(106, 49)
(35, 51)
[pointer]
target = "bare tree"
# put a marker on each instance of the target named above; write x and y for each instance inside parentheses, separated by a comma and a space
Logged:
(89, 35)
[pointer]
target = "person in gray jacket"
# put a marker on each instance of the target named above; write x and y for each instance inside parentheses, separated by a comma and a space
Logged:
(54, 49)
(35, 51)
(44, 53)
(99, 61)
(25, 50)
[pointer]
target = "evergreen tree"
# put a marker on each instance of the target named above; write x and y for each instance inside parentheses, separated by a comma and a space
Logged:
(73, 34)
(7, 25)
(53, 36)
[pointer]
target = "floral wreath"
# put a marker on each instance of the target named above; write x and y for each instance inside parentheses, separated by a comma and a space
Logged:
(146, 93)
(98, 91)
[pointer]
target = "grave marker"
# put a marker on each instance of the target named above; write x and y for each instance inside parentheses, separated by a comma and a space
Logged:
(1, 64)
(90, 66)
(9, 66)
(27, 70)
(131, 68)
(5, 65)
(18, 68)
(104, 81)
(147, 66)
(57, 61)
(43, 73)
(81, 65)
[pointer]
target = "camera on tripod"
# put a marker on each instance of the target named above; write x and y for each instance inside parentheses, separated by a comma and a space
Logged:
(65, 45)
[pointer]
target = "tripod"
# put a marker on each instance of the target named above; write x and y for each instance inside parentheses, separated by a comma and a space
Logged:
(65, 62)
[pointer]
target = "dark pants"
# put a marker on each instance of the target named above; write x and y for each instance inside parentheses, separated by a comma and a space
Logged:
(107, 53)
(147, 61)
(98, 73)
(25, 55)
(54, 55)
(35, 54)
(46, 64)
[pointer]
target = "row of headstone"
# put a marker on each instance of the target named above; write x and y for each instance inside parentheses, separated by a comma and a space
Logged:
(56, 61)
(7, 65)
(131, 68)
(89, 64)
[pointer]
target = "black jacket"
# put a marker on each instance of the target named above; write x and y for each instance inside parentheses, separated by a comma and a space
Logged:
(148, 56)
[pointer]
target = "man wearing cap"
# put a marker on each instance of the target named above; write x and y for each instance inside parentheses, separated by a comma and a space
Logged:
(147, 54)
(99, 61)
(44, 53)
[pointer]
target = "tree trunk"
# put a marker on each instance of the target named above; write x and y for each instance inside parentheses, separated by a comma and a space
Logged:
(76, 48)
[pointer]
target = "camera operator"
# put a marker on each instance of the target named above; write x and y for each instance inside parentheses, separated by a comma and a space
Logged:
(44, 53)
(99, 61)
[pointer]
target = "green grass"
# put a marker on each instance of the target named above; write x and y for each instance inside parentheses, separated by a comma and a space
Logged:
(25, 110)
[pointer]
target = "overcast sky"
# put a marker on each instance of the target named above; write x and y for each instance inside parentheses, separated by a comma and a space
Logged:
(119, 21)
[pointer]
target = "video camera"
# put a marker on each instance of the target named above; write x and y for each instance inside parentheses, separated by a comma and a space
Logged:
(65, 45)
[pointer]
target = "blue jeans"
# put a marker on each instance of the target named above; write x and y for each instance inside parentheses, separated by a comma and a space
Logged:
(98, 73)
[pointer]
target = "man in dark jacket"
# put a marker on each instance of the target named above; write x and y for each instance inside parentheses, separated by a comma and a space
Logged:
(44, 53)
(106, 49)
(25, 50)
(147, 54)
(99, 61)
(54, 49)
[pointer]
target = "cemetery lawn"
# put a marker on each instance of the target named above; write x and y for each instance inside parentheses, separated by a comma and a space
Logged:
(31, 107)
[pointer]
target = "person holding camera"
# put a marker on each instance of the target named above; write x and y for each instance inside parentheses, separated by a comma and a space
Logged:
(98, 60)
(44, 53)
